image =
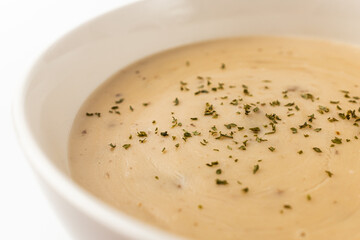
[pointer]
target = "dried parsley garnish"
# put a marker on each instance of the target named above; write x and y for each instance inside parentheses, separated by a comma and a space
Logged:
(256, 168)
(221, 182)
(255, 130)
(164, 134)
(336, 140)
(271, 149)
(141, 134)
(212, 164)
(330, 174)
(316, 149)
(230, 125)
(126, 146)
(308, 96)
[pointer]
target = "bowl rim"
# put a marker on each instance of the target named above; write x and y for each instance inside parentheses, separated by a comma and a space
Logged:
(68, 190)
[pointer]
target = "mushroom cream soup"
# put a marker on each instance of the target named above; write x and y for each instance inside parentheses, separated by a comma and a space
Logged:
(242, 138)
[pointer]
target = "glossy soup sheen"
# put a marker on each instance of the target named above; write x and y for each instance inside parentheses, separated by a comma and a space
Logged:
(242, 138)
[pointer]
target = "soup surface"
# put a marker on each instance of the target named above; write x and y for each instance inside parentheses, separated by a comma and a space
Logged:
(243, 138)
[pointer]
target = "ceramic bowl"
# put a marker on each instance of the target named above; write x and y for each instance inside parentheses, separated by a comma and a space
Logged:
(74, 66)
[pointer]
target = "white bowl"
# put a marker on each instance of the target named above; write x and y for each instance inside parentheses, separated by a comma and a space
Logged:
(73, 67)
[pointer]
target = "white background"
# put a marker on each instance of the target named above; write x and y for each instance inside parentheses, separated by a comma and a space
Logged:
(27, 28)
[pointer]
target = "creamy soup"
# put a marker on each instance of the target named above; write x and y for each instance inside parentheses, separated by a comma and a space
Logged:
(243, 138)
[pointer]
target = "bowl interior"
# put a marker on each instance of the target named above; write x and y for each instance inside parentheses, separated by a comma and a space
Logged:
(68, 72)
(74, 66)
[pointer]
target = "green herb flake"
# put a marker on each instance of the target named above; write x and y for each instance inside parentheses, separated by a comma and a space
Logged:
(330, 174)
(308, 197)
(176, 101)
(242, 147)
(255, 130)
(186, 135)
(201, 91)
(141, 134)
(196, 133)
(230, 125)
(305, 125)
(308, 96)
(209, 109)
(323, 110)
(218, 171)
(174, 122)
(221, 182)
(245, 190)
(275, 103)
(112, 145)
(311, 118)
(290, 104)
(259, 140)
(126, 146)
(336, 140)
(246, 90)
(234, 102)
(92, 114)
(256, 168)
(164, 134)
(273, 117)
(222, 135)
(204, 142)
(294, 130)
(332, 119)
(119, 101)
(212, 164)
(316, 149)
(271, 149)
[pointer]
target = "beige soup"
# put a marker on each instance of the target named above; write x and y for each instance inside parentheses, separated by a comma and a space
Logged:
(244, 138)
